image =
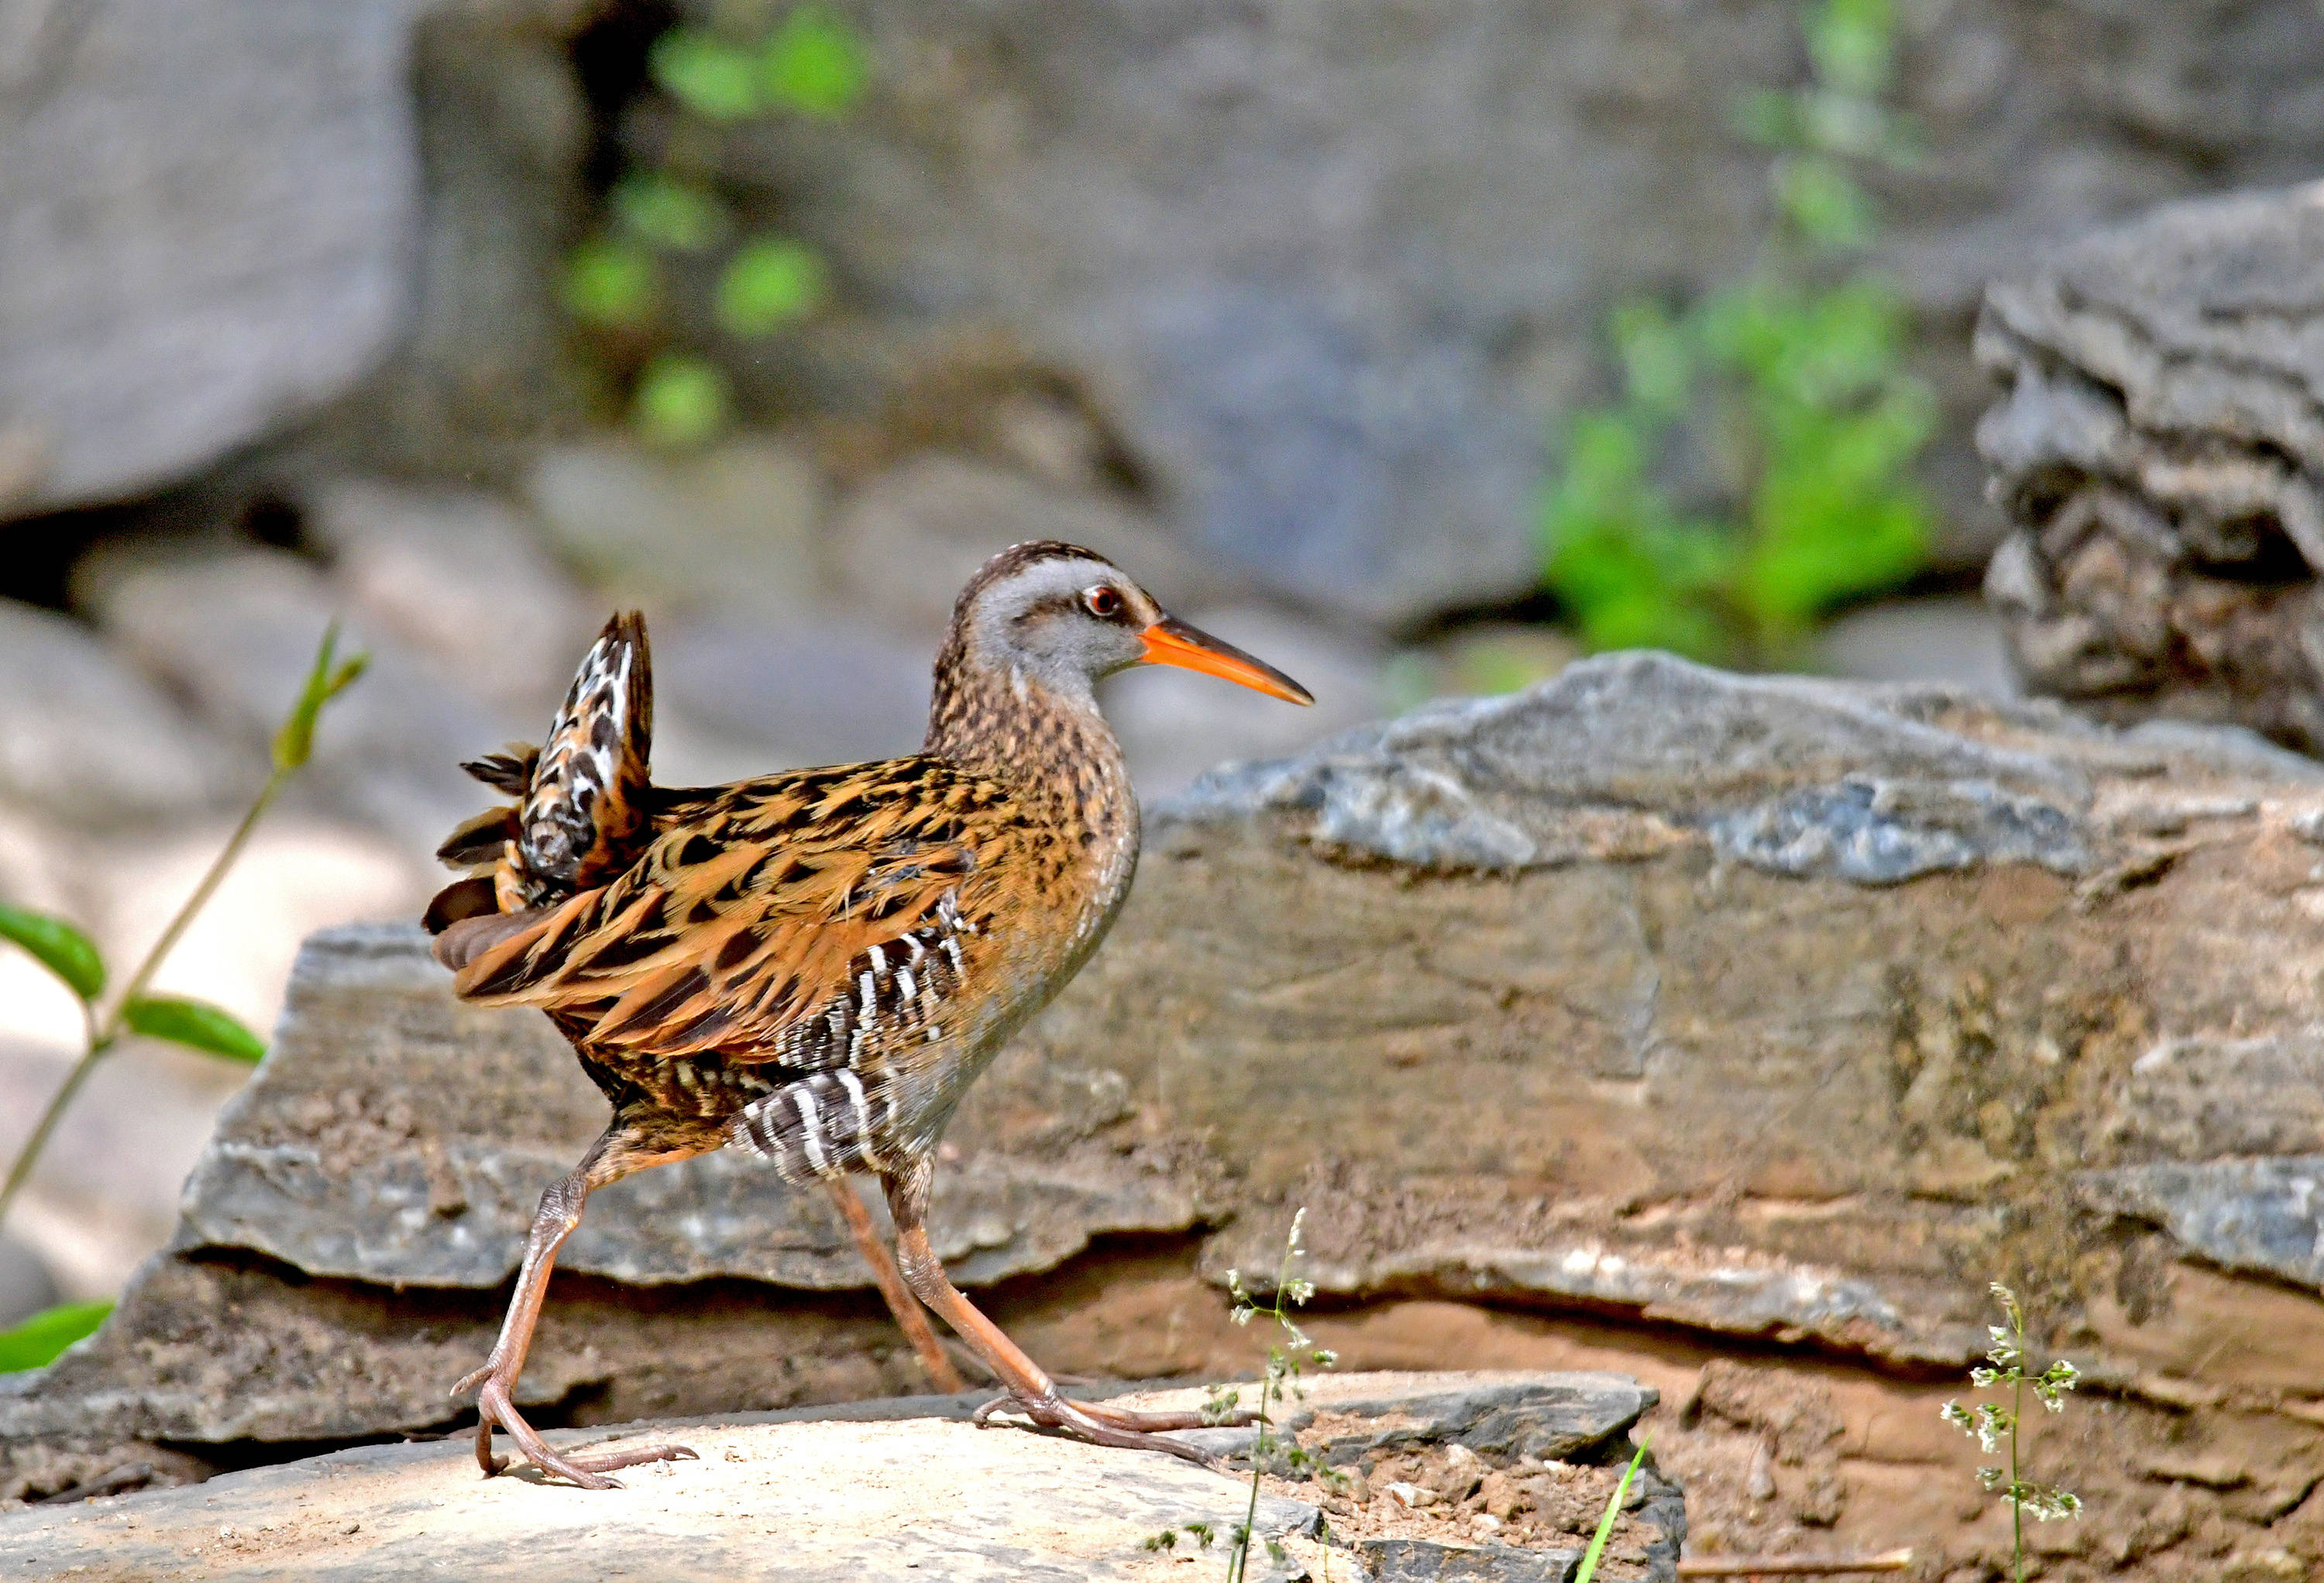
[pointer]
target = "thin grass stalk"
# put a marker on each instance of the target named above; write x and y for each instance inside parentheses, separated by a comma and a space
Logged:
(101, 1037)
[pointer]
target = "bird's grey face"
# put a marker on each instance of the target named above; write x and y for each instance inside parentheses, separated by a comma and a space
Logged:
(1067, 622)
(1067, 619)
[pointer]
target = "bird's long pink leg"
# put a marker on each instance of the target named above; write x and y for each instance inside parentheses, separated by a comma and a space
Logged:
(1030, 1390)
(560, 1213)
(910, 1318)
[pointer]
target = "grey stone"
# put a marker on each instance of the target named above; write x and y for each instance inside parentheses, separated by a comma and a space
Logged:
(1417, 1560)
(2156, 448)
(1497, 784)
(905, 543)
(817, 689)
(1337, 273)
(461, 580)
(1503, 1419)
(1955, 640)
(2185, 1098)
(2264, 1215)
(237, 632)
(737, 527)
(844, 1502)
(1875, 833)
(89, 740)
(483, 368)
(202, 233)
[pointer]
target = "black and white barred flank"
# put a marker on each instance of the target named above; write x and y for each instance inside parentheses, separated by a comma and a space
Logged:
(826, 1124)
(896, 996)
(831, 1122)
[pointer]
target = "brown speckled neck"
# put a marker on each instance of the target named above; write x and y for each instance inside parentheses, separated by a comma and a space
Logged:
(1053, 752)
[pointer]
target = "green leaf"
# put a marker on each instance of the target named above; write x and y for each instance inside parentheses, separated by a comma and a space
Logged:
(681, 401)
(717, 81)
(670, 213)
(57, 946)
(35, 1343)
(1852, 44)
(814, 63)
(1590, 1557)
(195, 1024)
(1823, 201)
(1633, 573)
(769, 283)
(294, 743)
(609, 283)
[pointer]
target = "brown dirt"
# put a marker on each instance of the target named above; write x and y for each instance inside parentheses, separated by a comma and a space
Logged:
(1447, 1494)
(1782, 1454)
(1790, 1452)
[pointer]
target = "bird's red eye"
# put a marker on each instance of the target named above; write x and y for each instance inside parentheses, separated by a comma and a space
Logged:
(1102, 602)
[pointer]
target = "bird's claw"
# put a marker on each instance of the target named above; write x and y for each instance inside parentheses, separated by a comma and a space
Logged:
(495, 1408)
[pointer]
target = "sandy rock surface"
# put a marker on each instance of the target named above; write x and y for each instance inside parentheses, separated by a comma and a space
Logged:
(900, 1490)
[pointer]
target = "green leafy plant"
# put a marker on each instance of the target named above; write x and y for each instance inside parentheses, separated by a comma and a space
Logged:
(1588, 1570)
(1286, 1360)
(1993, 1424)
(668, 220)
(71, 955)
(1792, 382)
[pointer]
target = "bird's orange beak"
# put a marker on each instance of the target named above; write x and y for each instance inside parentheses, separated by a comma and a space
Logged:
(1171, 642)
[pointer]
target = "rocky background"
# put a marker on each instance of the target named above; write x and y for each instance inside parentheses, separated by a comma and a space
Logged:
(1277, 303)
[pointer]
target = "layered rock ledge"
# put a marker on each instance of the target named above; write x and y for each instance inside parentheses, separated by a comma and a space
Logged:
(1768, 1013)
(2160, 449)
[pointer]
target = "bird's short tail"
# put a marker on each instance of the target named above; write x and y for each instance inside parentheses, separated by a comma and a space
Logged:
(585, 807)
(581, 816)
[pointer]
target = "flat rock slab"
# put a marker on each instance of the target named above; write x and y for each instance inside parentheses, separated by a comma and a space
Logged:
(903, 1491)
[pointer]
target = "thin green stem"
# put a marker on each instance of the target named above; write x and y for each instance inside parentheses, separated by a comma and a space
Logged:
(2016, 1417)
(100, 1037)
(1239, 1561)
(195, 903)
(22, 1166)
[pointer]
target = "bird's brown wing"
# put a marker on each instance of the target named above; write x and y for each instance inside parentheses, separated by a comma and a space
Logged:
(814, 919)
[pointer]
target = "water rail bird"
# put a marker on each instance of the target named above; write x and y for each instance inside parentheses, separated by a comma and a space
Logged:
(813, 966)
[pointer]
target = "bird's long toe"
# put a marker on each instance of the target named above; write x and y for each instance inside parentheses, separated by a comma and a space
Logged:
(607, 1461)
(493, 1408)
(1131, 1417)
(1075, 1418)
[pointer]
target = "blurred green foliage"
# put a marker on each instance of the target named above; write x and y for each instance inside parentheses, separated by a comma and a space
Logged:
(682, 401)
(35, 1343)
(1794, 379)
(64, 950)
(622, 281)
